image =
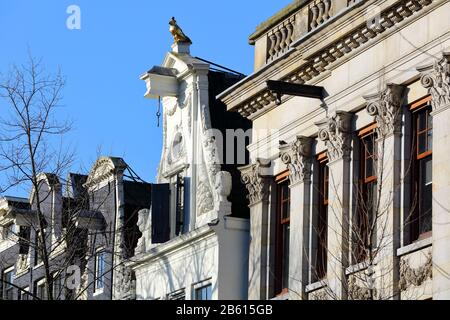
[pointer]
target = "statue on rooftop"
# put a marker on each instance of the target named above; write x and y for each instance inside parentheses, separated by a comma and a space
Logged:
(178, 34)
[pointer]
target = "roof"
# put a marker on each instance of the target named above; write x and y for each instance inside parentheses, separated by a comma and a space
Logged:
(171, 72)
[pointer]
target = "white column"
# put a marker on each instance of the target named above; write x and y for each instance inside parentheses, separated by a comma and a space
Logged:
(386, 107)
(256, 180)
(436, 78)
(336, 133)
(297, 157)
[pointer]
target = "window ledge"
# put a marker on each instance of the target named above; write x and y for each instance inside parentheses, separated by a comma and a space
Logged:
(356, 268)
(415, 246)
(315, 286)
(282, 296)
(98, 292)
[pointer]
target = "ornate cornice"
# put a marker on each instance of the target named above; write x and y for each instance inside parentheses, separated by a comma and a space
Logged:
(436, 78)
(297, 157)
(335, 132)
(386, 107)
(256, 181)
(319, 62)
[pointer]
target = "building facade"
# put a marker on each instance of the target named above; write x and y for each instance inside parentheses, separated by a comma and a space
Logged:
(194, 242)
(348, 181)
(90, 229)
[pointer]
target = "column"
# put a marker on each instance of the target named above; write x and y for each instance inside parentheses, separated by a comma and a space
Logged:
(335, 131)
(297, 157)
(256, 179)
(436, 78)
(386, 108)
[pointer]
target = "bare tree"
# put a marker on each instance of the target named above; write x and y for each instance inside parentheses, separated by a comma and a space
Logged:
(32, 98)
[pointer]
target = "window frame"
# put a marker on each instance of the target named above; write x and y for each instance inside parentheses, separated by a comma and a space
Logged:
(40, 285)
(282, 224)
(423, 105)
(321, 232)
(365, 183)
(100, 252)
(8, 288)
(202, 285)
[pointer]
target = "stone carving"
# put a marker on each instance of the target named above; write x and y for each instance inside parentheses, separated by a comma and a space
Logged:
(436, 78)
(318, 295)
(22, 264)
(145, 227)
(357, 292)
(223, 186)
(255, 181)
(82, 291)
(211, 165)
(177, 33)
(386, 107)
(204, 198)
(297, 157)
(126, 285)
(335, 132)
(415, 276)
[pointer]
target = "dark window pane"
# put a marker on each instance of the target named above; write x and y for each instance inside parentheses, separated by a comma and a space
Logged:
(422, 143)
(422, 121)
(426, 183)
(430, 139)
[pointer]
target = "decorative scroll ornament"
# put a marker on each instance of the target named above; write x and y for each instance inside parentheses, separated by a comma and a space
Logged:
(436, 78)
(386, 107)
(415, 276)
(255, 181)
(297, 157)
(145, 227)
(335, 132)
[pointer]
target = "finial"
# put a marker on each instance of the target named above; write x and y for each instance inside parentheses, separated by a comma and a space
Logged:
(177, 32)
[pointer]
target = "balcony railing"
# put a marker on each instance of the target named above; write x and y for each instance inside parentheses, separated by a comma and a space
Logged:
(308, 17)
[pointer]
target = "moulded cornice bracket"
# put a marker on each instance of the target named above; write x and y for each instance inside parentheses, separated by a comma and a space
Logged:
(280, 88)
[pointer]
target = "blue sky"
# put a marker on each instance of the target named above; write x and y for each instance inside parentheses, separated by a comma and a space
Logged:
(118, 41)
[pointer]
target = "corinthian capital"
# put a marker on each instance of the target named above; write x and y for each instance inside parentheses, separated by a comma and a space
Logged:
(256, 180)
(386, 107)
(335, 131)
(436, 78)
(297, 157)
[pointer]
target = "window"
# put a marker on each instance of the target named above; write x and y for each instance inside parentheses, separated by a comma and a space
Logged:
(8, 280)
(204, 292)
(282, 234)
(100, 259)
(421, 211)
(37, 249)
(23, 294)
(179, 206)
(177, 295)
(8, 231)
(40, 290)
(321, 233)
(364, 232)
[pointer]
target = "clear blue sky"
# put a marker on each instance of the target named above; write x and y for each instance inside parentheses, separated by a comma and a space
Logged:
(118, 41)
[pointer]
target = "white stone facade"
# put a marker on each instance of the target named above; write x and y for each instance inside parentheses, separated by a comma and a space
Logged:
(212, 249)
(375, 60)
